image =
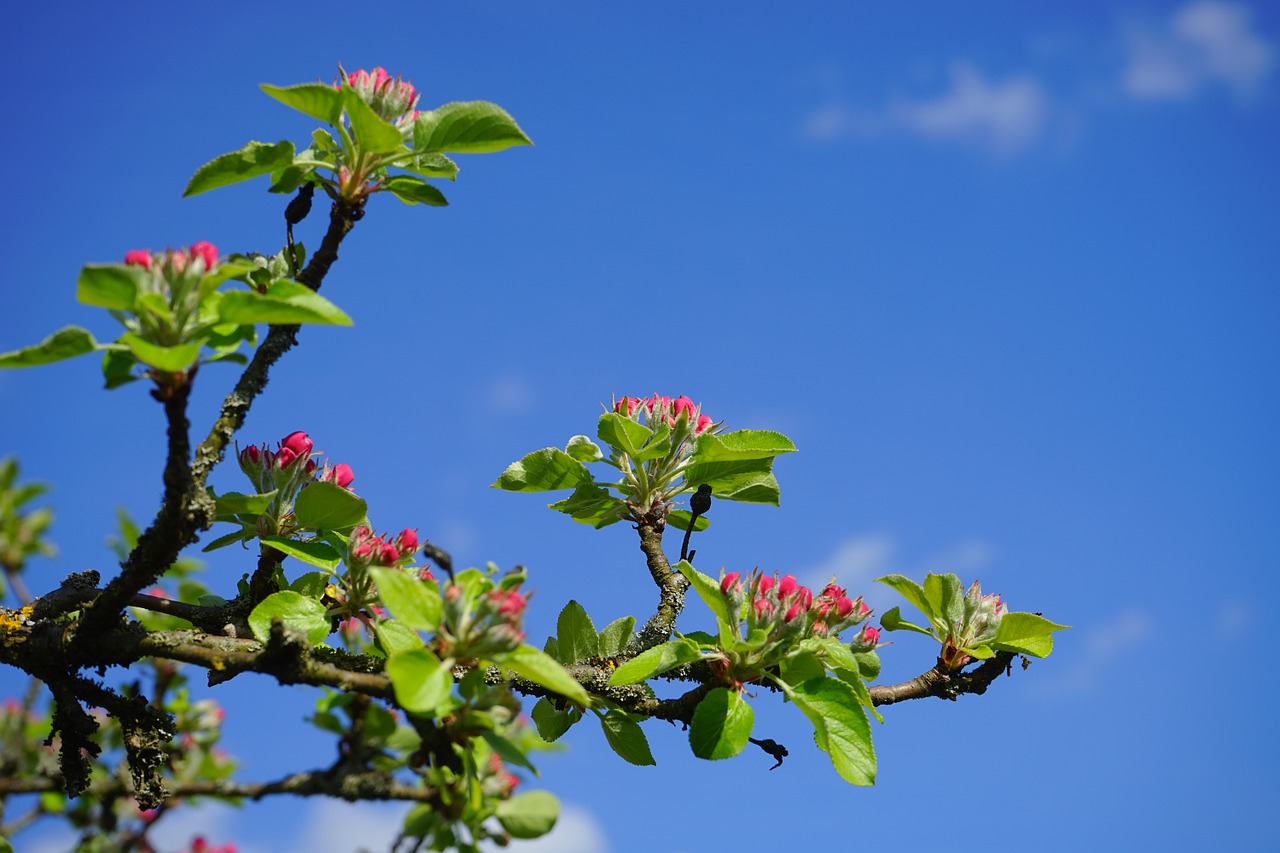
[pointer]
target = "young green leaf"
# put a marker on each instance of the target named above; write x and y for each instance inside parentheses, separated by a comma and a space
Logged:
(709, 591)
(529, 815)
(721, 724)
(168, 359)
(591, 504)
(256, 158)
(295, 610)
(542, 471)
(413, 190)
(422, 682)
(622, 434)
(576, 637)
(656, 660)
(396, 637)
(892, 621)
(373, 134)
(679, 519)
(414, 602)
(551, 723)
(328, 506)
(67, 342)
(313, 552)
(314, 99)
(583, 449)
(840, 726)
(1026, 633)
(741, 445)
(911, 591)
(285, 302)
(626, 738)
(468, 127)
(540, 668)
(945, 595)
(112, 286)
(231, 504)
(616, 635)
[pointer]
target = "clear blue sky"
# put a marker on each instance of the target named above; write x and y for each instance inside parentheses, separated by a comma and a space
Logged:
(1005, 272)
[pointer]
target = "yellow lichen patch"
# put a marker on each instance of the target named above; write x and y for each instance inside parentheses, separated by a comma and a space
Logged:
(219, 664)
(13, 621)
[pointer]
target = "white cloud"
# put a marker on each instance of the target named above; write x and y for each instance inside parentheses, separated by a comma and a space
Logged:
(1000, 116)
(1234, 618)
(1098, 646)
(858, 560)
(510, 394)
(335, 826)
(1202, 43)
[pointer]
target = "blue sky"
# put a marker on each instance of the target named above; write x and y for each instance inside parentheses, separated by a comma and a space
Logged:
(1006, 273)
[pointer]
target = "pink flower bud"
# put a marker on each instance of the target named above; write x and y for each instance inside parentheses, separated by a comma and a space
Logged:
(388, 554)
(206, 252)
(793, 611)
(138, 258)
(407, 540)
(844, 606)
(285, 458)
(360, 532)
(362, 551)
(766, 584)
(833, 591)
(340, 474)
(868, 638)
(299, 442)
(251, 455)
(704, 423)
(683, 406)
(627, 406)
(786, 586)
(424, 574)
(763, 608)
(729, 580)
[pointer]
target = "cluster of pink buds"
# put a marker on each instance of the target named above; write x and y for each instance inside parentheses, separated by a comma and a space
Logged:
(176, 260)
(392, 99)
(291, 461)
(658, 410)
(491, 624)
(788, 611)
(498, 781)
(366, 548)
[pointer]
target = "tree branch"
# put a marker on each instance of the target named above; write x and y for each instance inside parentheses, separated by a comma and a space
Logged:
(671, 585)
(366, 785)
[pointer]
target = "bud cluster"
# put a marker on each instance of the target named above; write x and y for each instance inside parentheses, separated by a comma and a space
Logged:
(175, 278)
(978, 625)
(287, 470)
(787, 611)
(366, 548)
(393, 99)
(480, 626)
(657, 409)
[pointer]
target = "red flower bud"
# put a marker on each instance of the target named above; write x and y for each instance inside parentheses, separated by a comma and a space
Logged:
(407, 540)
(138, 258)
(388, 554)
(340, 474)
(763, 608)
(704, 422)
(844, 606)
(766, 584)
(729, 581)
(683, 406)
(786, 586)
(793, 611)
(206, 252)
(299, 442)
(285, 458)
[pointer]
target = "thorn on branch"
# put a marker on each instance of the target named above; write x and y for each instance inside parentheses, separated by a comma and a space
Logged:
(775, 750)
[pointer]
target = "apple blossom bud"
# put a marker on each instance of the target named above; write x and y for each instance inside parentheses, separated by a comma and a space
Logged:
(786, 586)
(407, 541)
(793, 611)
(299, 442)
(340, 474)
(866, 640)
(206, 252)
(138, 258)
(388, 554)
(285, 458)
(729, 580)
(704, 423)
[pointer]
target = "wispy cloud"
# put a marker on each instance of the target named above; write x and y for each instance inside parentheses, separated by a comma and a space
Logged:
(1099, 645)
(1001, 116)
(510, 394)
(1201, 44)
(857, 561)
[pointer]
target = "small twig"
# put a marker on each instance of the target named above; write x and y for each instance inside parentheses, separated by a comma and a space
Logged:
(698, 505)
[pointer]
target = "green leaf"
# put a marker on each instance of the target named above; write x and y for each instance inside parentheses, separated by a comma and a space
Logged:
(423, 684)
(576, 637)
(113, 286)
(626, 738)
(243, 535)
(799, 667)
(328, 506)
(256, 158)
(468, 127)
(591, 504)
(168, 359)
(583, 449)
(540, 668)
(708, 590)
(313, 552)
(413, 190)
(508, 751)
(529, 815)
(623, 434)
(745, 480)
(413, 601)
(616, 635)
(542, 471)
(314, 99)
(552, 723)
(67, 342)
(911, 591)
(892, 621)
(656, 660)
(117, 367)
(395, 637)
(296, 611)
(372, 133)
(233, 504)
(840, 726)
(945, 595)
(311, 584)
(721, 724)
(431, 165)
(741, 445)
(1026, 633)
(679, 519)
(285, 303)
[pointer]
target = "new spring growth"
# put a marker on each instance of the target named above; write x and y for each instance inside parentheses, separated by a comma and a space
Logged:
(784, 612)
(287, 470)
(674, 423)
(170, 290)
(978, 625)
(393, 99)
(480, 624)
